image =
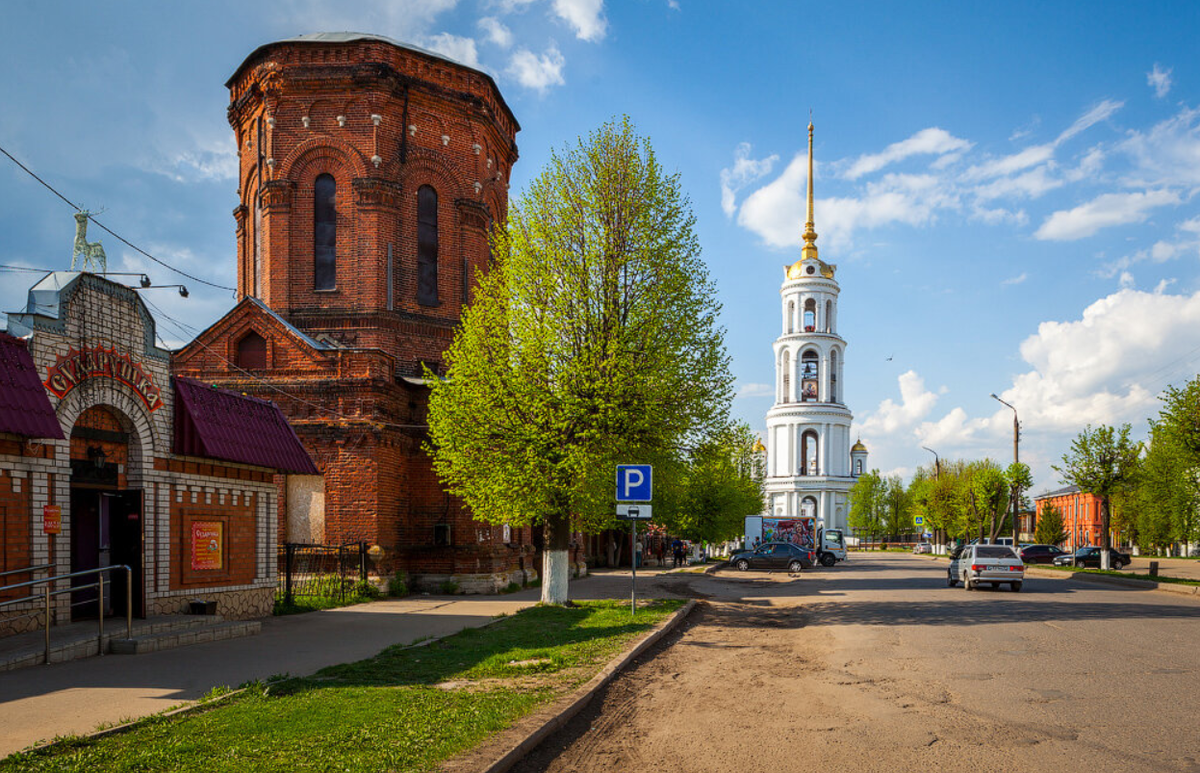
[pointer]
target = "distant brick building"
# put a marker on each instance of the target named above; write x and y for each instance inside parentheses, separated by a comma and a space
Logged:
(1080, 515)
(370, 175)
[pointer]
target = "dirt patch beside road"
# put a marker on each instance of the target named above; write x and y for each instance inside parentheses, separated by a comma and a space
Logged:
(716, 671)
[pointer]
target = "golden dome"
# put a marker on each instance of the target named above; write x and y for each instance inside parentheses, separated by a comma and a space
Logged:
(858, 447)
(759, 448)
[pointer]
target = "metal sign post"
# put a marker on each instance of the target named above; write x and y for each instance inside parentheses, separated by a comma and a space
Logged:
(633, 563)
(634, 484)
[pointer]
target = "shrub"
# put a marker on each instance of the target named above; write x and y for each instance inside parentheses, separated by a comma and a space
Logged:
(398, 584)
(448, 587)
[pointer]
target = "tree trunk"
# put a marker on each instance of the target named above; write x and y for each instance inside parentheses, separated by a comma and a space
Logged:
(556, 565)
(1104, 533)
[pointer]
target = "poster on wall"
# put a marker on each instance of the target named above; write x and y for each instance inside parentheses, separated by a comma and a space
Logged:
(207, 545)
(798, 531)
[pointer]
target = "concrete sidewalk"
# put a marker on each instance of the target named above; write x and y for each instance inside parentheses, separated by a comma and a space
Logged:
(42, 702)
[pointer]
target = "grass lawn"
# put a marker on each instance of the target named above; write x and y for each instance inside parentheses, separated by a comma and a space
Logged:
(407, 709)
(1130, 575)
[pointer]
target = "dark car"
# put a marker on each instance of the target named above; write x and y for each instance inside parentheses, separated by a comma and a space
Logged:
(773, 557)
(1041, 554)
(1090, 557)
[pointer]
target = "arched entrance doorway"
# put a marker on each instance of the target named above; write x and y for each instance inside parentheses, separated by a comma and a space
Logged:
(106, 513)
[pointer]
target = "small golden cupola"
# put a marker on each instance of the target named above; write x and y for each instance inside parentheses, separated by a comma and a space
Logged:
(809, 252)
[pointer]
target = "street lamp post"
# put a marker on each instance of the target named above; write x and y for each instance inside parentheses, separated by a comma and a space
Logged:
(1016, 492)
(937, 469)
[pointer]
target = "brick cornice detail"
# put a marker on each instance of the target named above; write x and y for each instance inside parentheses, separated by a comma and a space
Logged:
(375, 192)
(277, 195)
(472, 214)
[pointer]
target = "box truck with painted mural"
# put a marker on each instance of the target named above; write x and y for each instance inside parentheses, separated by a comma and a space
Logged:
(801, 530)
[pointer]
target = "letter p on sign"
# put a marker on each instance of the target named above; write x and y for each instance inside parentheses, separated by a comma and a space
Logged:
(634, 482)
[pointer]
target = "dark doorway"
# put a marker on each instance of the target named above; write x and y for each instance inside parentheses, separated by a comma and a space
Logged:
(106, 530)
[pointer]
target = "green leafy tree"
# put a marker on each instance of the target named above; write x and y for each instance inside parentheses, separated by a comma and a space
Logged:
(723, 483)
(1049, 527)
(896, 517)
(867, 504)
(1103, 462)
(592, 341)
(988, 492)
(1019, 480)
(1167, 496)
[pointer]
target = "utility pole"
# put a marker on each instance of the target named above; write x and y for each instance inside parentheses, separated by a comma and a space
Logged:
(1016, 491)
(937, 475)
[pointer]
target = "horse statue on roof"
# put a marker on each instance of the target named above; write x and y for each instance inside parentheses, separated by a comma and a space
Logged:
(91, 252)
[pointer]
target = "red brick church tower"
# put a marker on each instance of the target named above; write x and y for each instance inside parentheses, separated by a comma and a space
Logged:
(370, 173)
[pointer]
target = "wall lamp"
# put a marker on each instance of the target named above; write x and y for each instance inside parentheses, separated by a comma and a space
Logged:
(183, 291)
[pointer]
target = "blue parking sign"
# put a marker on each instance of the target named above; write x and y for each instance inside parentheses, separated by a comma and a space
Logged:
(634, 482)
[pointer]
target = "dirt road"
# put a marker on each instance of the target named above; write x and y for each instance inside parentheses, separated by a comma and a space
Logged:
(878, 666)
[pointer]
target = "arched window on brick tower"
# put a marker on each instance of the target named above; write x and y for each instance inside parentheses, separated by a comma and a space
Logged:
(252, 352)
(427, 246)
(324, 233)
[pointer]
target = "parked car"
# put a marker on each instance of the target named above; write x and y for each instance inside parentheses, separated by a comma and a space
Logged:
(994, 564)
(1041, 554)
(774, 556)
(922, 547)
(1090, 557)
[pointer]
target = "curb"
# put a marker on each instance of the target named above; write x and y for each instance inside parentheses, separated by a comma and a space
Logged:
(578, 700)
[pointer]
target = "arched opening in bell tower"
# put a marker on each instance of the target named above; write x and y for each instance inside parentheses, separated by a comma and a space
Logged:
(791, 317)
(808, 377)
(810, 316)
(808, 453)
(833, 374)
(828, 316)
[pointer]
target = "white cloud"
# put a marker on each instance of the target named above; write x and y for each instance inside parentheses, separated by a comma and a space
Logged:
(891, 417)
(1016, 280)
(1031, 184)
(1160, 79)
(496, 32)
(459, 49)
(929, 141)
(1187, 242)
(537, 72)
(1040, 154)
(586, 17)
(754, 390)
(1169, 153)
(745, 170)
(1107, 210)
(1100, 112)
(1109, 365)
(1030, 156)
(776, 210)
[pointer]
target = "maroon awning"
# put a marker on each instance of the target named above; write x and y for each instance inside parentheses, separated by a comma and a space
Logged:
(224, 425)
(24, 405)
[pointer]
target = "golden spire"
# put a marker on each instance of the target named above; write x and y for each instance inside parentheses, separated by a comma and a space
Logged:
(810, 234)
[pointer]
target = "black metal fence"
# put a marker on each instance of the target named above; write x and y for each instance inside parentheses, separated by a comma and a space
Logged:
(320, 571)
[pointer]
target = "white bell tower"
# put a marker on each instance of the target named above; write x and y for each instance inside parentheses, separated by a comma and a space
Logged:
(808, 428)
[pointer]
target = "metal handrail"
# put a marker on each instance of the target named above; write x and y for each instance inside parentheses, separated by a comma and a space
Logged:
(47, 593)
(37, 568)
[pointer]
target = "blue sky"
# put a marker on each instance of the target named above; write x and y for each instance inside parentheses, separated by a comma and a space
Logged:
(1009, 190)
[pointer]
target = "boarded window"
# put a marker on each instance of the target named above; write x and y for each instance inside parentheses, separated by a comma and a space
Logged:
(252, 352)
(427, 246)
(324, 233)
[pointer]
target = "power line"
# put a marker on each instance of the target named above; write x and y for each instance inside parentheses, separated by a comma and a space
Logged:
(113, 233)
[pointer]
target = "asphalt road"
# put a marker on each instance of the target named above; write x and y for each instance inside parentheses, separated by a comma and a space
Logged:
(876, 665)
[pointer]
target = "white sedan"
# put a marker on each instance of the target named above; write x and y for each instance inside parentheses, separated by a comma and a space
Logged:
(993, 564)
